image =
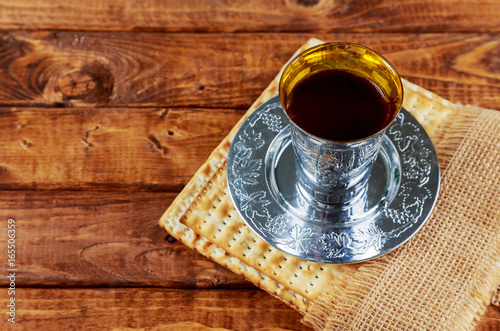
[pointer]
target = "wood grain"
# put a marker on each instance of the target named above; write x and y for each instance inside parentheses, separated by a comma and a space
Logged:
(75, 239)
(490, 320)
(107, 106)
(118, 69)
(107, 149)
(253, 16)
(160, 309)
(149, 309)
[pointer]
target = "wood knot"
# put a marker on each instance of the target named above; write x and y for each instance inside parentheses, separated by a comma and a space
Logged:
(315, 7)
(93, 83)
(76, 84)
(25, 143)
(307, 3)
(157, 144)
(170, 239)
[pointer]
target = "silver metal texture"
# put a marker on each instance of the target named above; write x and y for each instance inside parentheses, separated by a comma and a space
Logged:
(263, 182)
(333, 176)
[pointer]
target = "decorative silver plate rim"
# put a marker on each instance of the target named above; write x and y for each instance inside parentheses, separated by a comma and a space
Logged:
(407, 203)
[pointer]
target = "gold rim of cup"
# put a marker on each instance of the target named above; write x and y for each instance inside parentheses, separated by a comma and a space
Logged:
(358, 59)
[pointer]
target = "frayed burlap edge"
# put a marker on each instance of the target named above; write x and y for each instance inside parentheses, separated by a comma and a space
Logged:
(422, 285)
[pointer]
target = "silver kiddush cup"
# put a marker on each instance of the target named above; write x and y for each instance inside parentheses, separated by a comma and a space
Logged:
(332, 176)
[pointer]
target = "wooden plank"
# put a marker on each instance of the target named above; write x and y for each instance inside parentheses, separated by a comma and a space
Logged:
(87, 69)
(150, 309)
(490, 320)
(84, 239)
(253, 16)
(68, 239)
(107, 149)
(159, 309)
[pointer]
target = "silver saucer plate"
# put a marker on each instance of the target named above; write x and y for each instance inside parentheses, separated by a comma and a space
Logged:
(402, 190)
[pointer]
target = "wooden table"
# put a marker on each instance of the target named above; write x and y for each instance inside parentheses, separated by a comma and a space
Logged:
(109, 107)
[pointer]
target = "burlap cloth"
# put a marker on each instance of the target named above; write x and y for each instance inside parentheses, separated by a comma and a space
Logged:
(442, 279)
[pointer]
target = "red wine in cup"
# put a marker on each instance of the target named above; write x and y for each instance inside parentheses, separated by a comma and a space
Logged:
(339, 105)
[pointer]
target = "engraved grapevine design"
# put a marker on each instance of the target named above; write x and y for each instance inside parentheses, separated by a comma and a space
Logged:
(247, 170)
(272, 120)
(416, 168)
(276, 225)
(299, 239)
(338, 245)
